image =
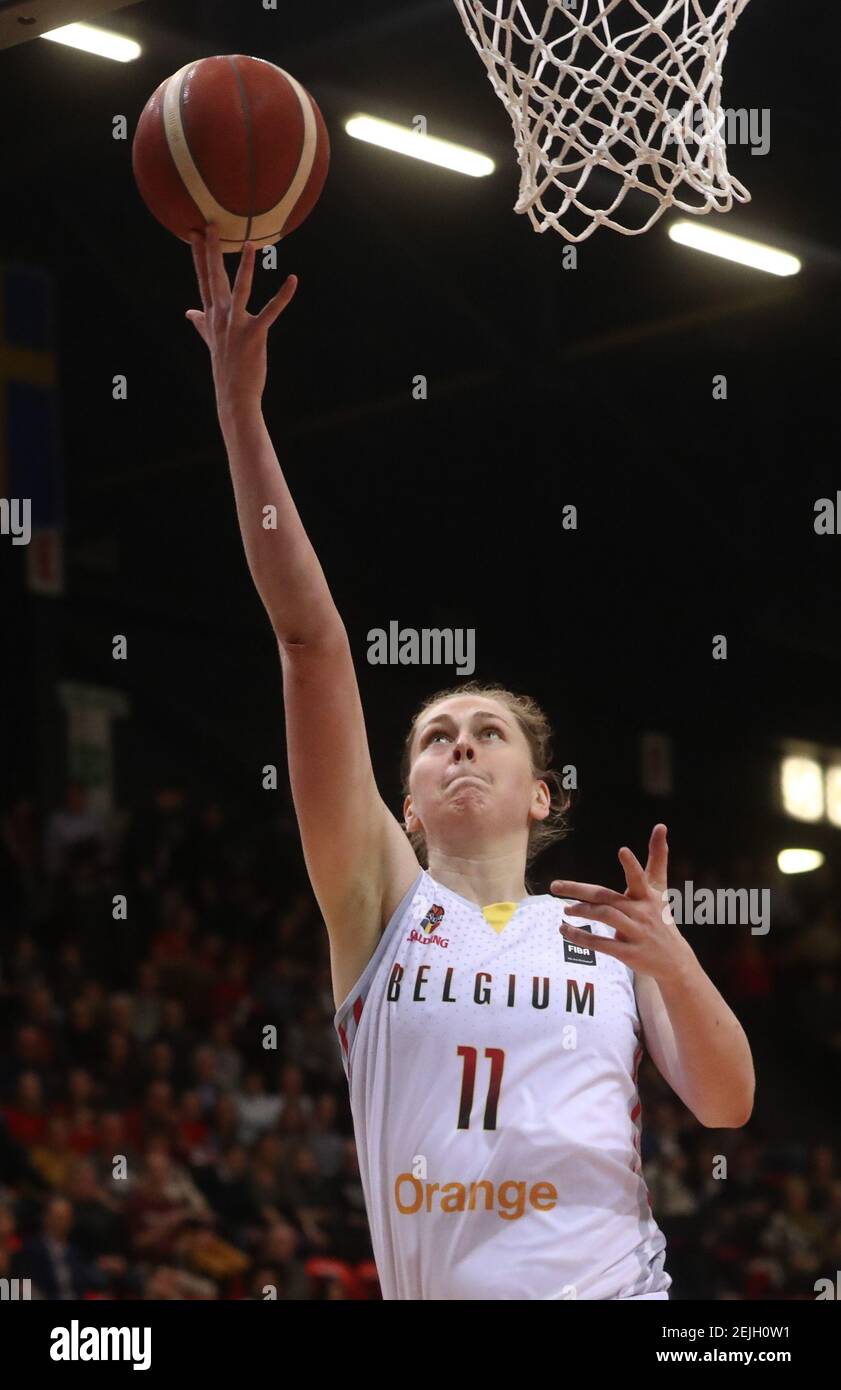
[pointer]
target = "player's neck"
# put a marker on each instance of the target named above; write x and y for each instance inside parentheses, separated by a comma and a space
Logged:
(499, 879)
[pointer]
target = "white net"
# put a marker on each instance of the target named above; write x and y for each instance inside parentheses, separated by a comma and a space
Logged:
(624, 90)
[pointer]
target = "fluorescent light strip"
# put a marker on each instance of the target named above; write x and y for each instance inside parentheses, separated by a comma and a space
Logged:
(734, 248)
(799, 861)
(102, 42)
(833, 794)
(801, 782)
(403, 140)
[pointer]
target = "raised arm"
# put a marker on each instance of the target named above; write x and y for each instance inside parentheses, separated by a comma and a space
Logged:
(359, 860)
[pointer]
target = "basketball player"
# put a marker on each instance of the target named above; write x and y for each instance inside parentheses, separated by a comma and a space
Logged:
(491, 1038)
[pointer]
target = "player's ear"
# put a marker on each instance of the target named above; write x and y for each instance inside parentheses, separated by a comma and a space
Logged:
(541, 801)
(411, 822)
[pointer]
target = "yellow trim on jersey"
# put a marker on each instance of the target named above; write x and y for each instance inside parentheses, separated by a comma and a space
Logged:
(498, 915)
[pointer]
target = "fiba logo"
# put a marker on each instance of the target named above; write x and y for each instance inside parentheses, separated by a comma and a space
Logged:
(578, 955)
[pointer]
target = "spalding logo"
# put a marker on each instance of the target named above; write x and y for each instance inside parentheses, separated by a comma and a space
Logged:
(433, 919)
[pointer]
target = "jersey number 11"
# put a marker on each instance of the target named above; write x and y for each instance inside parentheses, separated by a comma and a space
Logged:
(496, 1056)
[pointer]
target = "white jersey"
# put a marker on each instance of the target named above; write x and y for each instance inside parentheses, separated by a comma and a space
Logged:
(492, 1072)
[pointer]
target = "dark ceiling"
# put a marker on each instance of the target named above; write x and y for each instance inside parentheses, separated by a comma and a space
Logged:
(546, 387)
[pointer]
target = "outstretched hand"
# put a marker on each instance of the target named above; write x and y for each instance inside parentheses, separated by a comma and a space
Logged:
(647, 938)
(236, 339)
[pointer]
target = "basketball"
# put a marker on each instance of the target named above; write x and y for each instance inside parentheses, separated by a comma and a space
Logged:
(232, 140)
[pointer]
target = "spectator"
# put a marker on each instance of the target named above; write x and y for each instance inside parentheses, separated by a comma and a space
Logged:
(70, 978)
(16, 1167)
(72, 828)
(83, 1036)
(175, 1034)
(350, 1237)
(161, 1063)
(204, 1080)
(793, 1239)
(159, 1115)
(26, 1117)
(227, 1061)
(154, 845)
(31, 1052)
(225, 1183)
(174, 951)
(25, 966)
(120, 1073)
(311, 1198)
(324, 1139)
(311, 1046)
(147, 1005)
(229, 998)
(53, 1263)
(54, 1156)
(164, 1199)
(278, 1252)
(275, 992)
(99, 1229)
(292, 1091)
(191, 1130)
(257, 1109)
(225, 1122)
(671, 1194)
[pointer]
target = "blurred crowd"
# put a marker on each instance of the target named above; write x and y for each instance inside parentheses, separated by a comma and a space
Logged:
(174, 1121)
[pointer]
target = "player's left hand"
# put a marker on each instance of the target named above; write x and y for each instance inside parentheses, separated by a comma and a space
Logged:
(647, 938)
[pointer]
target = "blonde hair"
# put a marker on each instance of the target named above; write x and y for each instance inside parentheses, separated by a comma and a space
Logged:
(538, 734)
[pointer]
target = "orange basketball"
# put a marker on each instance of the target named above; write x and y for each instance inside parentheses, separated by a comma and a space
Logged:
(235, 141)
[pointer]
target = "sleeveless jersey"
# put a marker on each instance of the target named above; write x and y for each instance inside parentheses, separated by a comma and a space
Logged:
(492, 1071)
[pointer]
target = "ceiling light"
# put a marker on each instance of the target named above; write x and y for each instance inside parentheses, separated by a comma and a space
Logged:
(799, 861)
(801, 784)
(734, 248)
(404, 140)
(99, 41)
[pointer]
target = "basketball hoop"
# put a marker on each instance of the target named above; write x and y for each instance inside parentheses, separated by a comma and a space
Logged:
(631, 88)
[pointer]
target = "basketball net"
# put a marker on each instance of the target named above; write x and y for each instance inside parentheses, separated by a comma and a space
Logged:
(629, 88)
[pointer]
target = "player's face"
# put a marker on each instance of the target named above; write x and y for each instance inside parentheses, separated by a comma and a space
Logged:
(471, 773)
